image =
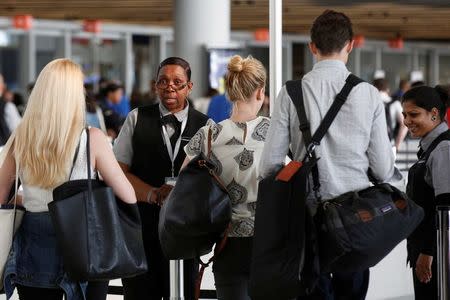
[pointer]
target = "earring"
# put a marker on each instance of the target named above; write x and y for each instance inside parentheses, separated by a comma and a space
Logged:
(433, 118)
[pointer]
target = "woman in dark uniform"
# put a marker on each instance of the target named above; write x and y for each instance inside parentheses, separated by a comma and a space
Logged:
(428, 179)
(149, 149)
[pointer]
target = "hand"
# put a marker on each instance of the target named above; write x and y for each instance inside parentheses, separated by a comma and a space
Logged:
(423, 267)
(161, 193)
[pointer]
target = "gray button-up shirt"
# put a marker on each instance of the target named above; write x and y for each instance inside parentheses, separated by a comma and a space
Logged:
(438, 164)
(356, 140)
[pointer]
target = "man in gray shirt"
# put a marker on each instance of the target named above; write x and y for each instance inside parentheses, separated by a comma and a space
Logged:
(355, 142)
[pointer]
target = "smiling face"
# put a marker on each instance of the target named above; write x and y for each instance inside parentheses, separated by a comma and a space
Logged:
(418, 120)
(173, 87)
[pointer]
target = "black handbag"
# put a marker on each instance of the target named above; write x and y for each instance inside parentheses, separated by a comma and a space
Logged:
(197, 211)
(100, 237)
(357, 229)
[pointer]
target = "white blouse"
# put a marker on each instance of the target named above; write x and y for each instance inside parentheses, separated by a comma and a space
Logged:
(236, 150)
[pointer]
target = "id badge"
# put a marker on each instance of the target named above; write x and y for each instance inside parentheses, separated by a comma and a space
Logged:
(171, 181)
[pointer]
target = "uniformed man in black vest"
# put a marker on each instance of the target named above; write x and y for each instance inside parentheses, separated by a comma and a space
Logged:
(149, 149)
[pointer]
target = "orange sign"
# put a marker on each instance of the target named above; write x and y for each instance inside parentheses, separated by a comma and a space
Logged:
(396, 43)
(359, 41)
(261, 34)
(92, 26)
(23, 22)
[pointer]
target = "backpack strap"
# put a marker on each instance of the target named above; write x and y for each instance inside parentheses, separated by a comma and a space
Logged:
(294, 90)
(442, 137)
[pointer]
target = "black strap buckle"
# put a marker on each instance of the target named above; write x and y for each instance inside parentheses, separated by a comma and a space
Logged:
(304, 127)
(311, 147)
(340, 97)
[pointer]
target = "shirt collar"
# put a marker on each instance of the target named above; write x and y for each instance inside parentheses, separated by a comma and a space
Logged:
(330, 63)
(181, 115)
(426, 141)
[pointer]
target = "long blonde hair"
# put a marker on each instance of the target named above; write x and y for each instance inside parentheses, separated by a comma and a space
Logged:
(45, 141)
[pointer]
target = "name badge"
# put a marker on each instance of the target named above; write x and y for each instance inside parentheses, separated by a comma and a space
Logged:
(171, 181)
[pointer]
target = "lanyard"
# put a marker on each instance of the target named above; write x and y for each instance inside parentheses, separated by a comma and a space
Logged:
(173, 152)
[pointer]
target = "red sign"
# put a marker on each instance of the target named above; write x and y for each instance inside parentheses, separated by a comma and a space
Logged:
(23, 22)
(359, 41)
(261, 34)
(396, 43)
(92, 26)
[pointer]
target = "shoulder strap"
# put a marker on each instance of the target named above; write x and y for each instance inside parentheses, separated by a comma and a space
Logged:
(75, 156)
(442, 137)
(339, 100)
(294, 89)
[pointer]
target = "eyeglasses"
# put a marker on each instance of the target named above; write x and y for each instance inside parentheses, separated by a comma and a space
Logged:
(177, 85)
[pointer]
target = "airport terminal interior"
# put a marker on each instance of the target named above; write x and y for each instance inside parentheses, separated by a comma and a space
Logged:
(123, 42)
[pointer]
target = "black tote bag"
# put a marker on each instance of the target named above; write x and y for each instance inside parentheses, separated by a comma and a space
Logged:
(100, 237)
(196, 212)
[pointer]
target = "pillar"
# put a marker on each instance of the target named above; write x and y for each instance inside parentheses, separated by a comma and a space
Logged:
(199, 23)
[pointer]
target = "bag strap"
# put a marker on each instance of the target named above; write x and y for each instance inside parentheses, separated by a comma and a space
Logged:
(217, 250)
(208, 154)
(311, 143)
(16, 187)
(294, 89)
(88, 153)
(75, 158)
(443, 136)
(339, 100)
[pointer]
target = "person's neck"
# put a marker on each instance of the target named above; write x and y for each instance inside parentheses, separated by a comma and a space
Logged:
(243, 112)
(335, 56)
(178, 109)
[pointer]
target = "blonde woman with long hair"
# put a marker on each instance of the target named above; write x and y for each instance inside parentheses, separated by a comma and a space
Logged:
(44, 147)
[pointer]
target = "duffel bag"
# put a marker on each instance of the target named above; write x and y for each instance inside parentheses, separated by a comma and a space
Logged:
(358, 229)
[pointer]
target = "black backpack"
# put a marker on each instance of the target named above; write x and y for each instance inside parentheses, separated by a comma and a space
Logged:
(4, 129)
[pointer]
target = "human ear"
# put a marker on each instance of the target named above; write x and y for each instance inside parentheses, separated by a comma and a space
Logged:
(349, 47)
(313, 48)
(260, 94)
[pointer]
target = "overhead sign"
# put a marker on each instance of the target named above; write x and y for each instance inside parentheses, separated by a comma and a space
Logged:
(23, 22)
(93, 26)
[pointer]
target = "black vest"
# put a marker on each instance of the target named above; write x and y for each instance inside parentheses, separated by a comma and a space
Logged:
(423, 239)
(4, 129)
(151, 162)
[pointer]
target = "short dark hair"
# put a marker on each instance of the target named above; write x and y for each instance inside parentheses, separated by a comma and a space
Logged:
(427, 98)
(330, 31)
(176, 61)
(381, 84)
(111, 88)
(403, 84)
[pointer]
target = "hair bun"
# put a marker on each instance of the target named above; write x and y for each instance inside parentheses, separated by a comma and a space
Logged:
(443, 92)
(236, 64)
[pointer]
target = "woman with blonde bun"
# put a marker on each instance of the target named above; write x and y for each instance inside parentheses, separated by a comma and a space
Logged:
(236, 147)
(44, 149)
